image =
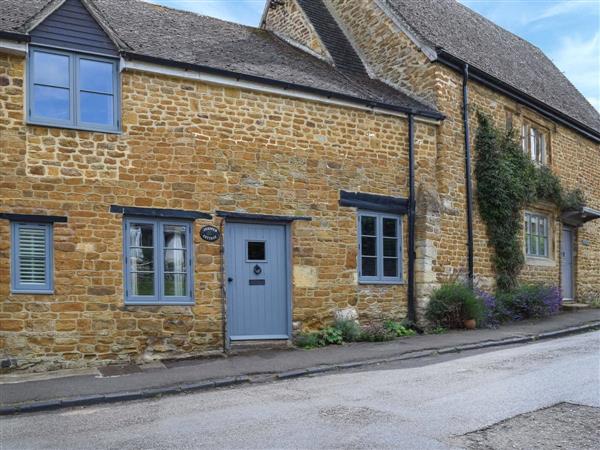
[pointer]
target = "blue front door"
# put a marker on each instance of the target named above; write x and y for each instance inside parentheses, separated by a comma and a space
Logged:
(256, 259)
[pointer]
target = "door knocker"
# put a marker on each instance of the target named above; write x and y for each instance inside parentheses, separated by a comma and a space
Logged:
(257, 270)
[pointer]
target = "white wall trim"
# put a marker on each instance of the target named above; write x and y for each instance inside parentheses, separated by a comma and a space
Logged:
(12, 47)
(221, 80)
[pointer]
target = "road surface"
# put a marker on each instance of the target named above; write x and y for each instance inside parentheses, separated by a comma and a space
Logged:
(395, 407)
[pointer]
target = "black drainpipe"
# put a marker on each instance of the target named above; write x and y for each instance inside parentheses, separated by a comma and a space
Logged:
(412, 310)
(468, 174)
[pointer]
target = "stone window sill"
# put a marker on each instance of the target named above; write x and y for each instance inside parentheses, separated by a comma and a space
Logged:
(541, 262)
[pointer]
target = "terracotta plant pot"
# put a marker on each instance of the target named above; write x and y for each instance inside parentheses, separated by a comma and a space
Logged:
(470, 324)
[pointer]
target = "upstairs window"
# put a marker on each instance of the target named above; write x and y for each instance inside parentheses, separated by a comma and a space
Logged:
(31, 258)
(73, 90)
(158, 261)
(380, 248)
(534, 142)
(536, 235)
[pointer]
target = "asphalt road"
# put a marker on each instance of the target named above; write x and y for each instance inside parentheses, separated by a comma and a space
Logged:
(415, 407)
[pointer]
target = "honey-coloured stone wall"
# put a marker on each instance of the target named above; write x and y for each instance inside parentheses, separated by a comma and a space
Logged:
(200, 147)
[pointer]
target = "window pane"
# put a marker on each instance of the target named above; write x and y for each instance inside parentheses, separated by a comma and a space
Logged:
(32, 255)
(175, 261)
(369, 267)
(95, 76)
(369, 246)
(533, 245)
(51, 69)
(141, 235)
(390, 247)
(175, 285)
(368, 225)
(542, 247)
(96, 108)
(51, 102)
(256, 251)
(142, 283)
(390, 267)
(390, 227)
(174, 236)
(141, 259)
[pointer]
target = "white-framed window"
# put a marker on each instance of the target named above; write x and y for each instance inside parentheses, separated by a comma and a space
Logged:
(158, 261)
(379, 247)
(534, 142)
(72, 90)
(537, 241)
(31, 258)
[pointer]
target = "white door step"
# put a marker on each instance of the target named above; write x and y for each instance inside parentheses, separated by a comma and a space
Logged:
(250, 346)
(572, 306)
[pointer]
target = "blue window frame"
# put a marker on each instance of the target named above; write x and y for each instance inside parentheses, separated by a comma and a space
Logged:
(537, 241)
(158, 262)
(31, 258)
(73, 90)
(379, 248)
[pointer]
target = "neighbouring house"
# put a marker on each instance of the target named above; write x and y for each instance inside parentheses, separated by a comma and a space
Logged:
(172, 184)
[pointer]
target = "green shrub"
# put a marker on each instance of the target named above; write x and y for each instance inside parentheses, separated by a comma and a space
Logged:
(398, 329)
(307, 340)
(507, 180)
(330, 336)
(349, 328)
(452, 304)
(376, 332)
(437, 330)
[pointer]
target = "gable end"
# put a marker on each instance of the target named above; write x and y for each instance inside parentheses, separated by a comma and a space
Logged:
(72, 27)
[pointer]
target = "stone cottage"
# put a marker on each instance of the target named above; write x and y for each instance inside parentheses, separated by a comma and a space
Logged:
(172, 184)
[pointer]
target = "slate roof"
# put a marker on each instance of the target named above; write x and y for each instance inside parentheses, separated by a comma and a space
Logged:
(154, 31)
(465, 34)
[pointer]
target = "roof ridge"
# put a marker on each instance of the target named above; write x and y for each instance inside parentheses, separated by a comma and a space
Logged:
(192, 13)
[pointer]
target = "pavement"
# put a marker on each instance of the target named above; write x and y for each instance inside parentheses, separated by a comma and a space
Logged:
(412, 407)
(33, 392)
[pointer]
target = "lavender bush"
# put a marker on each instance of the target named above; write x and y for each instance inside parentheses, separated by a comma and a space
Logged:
(531, 301)
(491, 308)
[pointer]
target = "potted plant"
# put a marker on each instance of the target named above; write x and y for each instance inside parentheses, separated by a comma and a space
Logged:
(472, 311)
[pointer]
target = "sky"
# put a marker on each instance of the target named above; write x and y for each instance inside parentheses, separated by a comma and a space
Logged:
(568, 31)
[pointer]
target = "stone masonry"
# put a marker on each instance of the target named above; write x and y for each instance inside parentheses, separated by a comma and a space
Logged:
(396, 58)
(193, 146)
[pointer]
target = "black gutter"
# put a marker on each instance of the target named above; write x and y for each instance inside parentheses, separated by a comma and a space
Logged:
(281, 84)
(500, 86)
(15, 36)
(412, 310)
(468, 181)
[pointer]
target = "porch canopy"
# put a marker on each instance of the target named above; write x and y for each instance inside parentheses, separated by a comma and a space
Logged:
(577, 217)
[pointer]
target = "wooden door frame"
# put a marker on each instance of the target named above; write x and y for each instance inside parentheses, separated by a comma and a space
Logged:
(288, 272)
(573, 231)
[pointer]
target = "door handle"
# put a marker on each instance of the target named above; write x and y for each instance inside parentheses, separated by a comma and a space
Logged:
(229, 280)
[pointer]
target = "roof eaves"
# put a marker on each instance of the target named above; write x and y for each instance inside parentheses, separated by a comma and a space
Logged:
(434, 115)
(98, 17)
(15, 36)
(511, 91)
(41, 15)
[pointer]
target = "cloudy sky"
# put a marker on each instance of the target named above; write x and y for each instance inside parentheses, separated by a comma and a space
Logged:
(568, 31)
